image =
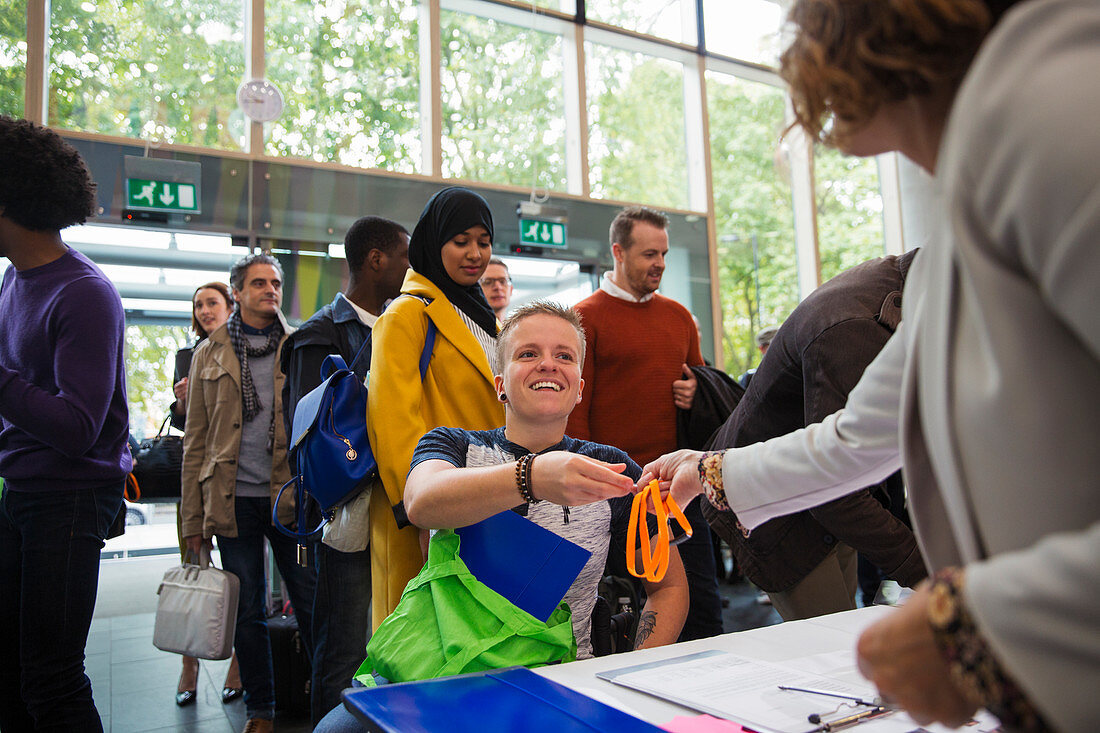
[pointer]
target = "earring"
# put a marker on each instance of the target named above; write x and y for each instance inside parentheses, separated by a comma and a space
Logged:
(502, 397)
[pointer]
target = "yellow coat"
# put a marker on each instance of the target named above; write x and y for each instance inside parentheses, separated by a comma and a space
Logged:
(457, 392)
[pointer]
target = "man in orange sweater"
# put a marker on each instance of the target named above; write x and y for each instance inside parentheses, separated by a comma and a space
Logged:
(639, 347)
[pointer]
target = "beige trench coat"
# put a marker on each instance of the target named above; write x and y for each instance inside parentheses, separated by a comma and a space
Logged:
(212, 440)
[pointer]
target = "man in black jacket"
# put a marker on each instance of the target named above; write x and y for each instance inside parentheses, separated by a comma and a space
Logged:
(807, 561)
(377, 253)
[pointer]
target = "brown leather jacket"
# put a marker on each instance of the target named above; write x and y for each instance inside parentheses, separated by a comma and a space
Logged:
(812, 364)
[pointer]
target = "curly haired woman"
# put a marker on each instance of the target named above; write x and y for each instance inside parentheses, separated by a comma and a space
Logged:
(998, 360)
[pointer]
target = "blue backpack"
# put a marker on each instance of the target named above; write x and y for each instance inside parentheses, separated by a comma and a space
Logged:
(330, 451)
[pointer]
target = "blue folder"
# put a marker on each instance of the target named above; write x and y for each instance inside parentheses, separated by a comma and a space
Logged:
(527, 564)
(512, 699)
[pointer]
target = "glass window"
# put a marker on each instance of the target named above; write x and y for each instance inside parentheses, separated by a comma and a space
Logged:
(636, 139)
(849, 210)
(502, 127)
(156, 327)
(565, 6)
(744, 29)
(13, 57)
(757, 266)
(547, 279)
(150, 364)
(671, 19)
(164, 71)
(349, 74)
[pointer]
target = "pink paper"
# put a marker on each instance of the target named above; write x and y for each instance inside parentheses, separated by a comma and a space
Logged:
(701, 724)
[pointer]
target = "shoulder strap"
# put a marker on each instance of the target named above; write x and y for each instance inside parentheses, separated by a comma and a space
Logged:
(429, 337)
(429, 344)
(365, 348)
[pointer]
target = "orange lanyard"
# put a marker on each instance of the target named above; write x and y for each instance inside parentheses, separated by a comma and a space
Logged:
(655, 562)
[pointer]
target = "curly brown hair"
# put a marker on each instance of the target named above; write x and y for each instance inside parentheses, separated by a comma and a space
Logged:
(45, 184)
(849, 57)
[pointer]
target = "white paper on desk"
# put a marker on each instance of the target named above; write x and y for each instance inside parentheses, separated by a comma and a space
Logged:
(737, 688)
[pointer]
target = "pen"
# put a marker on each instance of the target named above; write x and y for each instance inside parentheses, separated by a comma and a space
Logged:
(856, 700)
(850, 720)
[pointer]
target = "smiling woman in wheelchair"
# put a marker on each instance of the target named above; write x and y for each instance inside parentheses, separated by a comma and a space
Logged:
(579, 490)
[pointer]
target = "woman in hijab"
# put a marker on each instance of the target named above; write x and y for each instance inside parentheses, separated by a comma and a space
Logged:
(448, 252)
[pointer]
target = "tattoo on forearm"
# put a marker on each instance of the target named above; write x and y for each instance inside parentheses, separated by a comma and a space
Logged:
(646, 624)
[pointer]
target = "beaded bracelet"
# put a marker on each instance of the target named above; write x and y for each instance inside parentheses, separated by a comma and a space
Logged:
(523, 478)
(710, 475)
(527, 478)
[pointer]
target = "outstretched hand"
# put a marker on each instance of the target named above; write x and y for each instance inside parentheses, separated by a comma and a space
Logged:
(676, 473)
(569, 479)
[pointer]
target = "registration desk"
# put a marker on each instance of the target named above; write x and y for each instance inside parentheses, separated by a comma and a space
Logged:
(734, 676)
(826, 643)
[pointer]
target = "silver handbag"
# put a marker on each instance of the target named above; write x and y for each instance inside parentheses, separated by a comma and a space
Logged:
(197, 610)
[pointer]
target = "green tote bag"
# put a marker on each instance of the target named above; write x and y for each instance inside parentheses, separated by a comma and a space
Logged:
(448, 622)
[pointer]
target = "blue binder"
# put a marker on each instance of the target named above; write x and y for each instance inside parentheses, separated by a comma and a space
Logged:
(512, 699)
(527, 564)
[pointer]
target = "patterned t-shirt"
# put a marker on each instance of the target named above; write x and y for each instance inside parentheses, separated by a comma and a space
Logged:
(597, 527)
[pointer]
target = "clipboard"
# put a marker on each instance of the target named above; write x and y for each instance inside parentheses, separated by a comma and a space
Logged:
(514, 698)
(527, 564)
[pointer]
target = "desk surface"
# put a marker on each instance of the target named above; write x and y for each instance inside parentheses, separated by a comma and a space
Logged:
(782, 642)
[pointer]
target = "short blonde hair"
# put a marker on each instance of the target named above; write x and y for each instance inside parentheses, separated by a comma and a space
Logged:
(849, 57)
(539, 308)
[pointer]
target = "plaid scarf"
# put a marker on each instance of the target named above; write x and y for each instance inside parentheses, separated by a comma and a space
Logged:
(250, 400)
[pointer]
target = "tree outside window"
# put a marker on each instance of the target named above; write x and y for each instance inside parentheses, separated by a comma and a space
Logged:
(13, 57)
(150, 364)
(662, 18)
(502, 127)
(849, 211)
(636, 138)
(349, 74)
(757, 266)
(148, 69)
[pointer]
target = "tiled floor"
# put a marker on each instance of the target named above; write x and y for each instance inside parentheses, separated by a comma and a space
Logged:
(134, 683)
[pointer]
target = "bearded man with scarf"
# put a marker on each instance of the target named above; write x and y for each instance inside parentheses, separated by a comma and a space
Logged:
(234, 463)
(448, 253)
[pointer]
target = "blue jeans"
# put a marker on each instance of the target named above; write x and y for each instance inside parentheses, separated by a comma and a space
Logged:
(341, 624)
(339, 720)
(244, 557)
(50, 543)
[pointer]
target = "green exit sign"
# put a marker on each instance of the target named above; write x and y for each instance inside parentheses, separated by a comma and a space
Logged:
(541, 233)
(161, 196)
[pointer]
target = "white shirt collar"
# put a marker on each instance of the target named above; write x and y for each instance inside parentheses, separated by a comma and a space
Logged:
(365, 316)
(608, 286)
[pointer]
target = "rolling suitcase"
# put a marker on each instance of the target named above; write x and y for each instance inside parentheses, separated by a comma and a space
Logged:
(290, 663)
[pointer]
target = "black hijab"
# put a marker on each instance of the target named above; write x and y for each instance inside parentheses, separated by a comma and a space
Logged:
(448, 213)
